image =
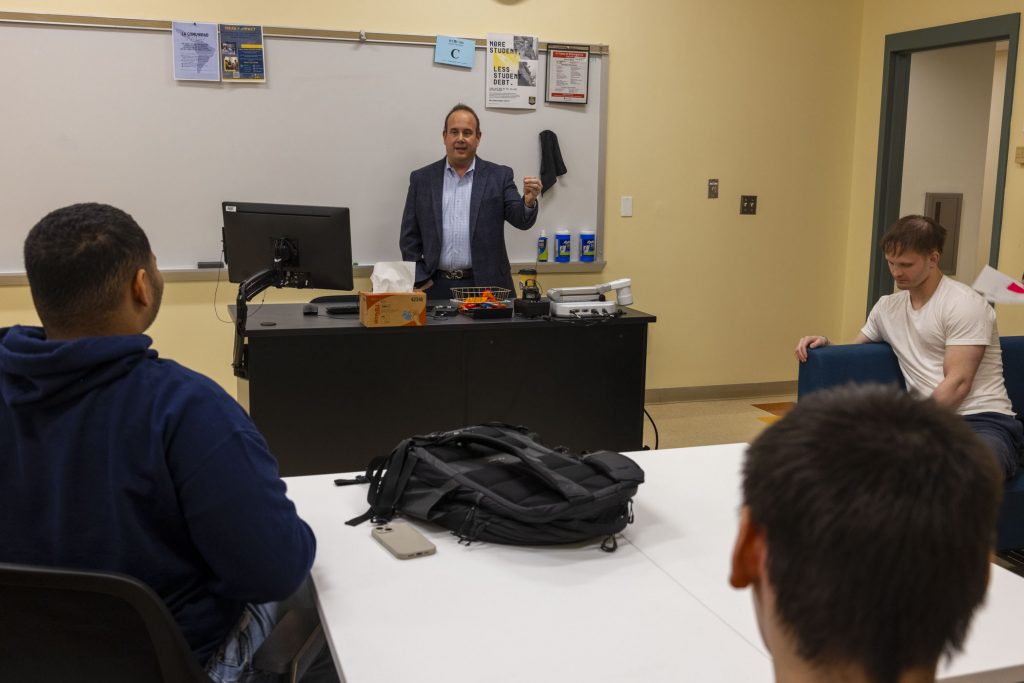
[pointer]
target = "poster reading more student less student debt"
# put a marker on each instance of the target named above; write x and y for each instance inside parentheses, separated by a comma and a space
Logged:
(512, 71)
(241, 53)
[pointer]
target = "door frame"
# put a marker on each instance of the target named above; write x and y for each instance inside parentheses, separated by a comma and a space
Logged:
(892, 132)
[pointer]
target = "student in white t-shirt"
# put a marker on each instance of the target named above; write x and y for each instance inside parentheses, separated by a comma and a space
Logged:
(945, 338)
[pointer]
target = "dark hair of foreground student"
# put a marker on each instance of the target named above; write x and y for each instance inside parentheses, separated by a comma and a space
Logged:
(879, 515)
(80, 259)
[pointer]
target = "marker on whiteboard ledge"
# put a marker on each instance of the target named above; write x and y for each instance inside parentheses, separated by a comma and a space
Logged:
(202, 265)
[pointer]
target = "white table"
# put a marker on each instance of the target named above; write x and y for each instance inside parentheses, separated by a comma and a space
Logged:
(658, 609)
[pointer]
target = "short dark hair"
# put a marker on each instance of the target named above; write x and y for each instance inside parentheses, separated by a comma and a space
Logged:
(919, 234)
(879, 512)
(79, 259)
(461, 107)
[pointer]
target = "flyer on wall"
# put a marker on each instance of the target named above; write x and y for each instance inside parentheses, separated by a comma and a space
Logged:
(241, 52)
(455, 51)
(194, 48)
(568, 73)
(512, 70)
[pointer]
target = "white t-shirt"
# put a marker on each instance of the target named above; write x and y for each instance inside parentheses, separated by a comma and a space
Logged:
(956, 315)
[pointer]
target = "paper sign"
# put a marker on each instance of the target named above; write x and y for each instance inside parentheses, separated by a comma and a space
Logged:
(195, 51)
(455, 51)
(512, 65)
(998, 288)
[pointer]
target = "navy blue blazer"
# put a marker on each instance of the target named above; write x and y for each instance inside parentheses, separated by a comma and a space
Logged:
(495, 200)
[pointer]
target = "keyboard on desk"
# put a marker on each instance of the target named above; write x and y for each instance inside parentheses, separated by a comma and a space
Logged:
(348, 308)
(352, 308)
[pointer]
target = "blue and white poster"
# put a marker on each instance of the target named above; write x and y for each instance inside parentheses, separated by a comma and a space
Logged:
(195, 51)
(455, 51)
(241, 52)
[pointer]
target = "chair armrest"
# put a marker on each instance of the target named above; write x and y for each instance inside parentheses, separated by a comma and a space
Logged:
(293, 644)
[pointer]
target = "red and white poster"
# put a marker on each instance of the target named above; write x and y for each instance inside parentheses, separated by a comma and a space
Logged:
(568, 73)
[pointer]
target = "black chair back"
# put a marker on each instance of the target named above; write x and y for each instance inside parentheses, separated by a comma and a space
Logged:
(75, 625)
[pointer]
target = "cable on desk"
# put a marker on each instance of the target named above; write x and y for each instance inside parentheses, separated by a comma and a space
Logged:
(646, 448)
(216, 289)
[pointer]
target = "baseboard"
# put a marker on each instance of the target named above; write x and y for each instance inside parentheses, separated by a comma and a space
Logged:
(719, 391)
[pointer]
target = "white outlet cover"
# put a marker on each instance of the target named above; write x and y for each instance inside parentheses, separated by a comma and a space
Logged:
(626, 207)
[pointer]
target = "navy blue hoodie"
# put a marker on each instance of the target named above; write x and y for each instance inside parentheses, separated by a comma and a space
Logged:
(111, 458)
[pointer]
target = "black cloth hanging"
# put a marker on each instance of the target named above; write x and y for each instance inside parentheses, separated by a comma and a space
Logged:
(551, 164)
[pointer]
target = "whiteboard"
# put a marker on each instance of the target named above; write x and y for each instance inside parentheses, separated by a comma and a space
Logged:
(94, 114)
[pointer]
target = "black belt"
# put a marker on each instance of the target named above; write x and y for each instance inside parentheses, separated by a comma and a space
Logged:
(457, 274)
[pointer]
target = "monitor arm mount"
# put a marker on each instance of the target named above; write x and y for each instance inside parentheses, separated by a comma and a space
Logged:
(280, 274)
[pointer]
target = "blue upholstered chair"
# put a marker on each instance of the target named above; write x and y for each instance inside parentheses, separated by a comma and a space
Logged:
(835, 365)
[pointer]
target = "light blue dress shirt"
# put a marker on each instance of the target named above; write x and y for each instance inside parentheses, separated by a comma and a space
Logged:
(455, 200)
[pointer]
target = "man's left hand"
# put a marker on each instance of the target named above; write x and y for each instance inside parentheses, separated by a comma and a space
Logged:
(531, 190)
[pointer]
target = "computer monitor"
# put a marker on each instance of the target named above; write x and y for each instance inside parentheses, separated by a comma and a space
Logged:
(312, 244)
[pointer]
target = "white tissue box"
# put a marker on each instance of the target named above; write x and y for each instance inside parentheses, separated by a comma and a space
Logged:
(392, 309)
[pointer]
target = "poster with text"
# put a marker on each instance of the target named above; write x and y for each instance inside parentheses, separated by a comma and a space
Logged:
(512, 71)
(568, 73)
(241, 53)
(195, 51)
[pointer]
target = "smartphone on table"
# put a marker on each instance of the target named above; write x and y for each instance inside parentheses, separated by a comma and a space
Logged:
(403, 540)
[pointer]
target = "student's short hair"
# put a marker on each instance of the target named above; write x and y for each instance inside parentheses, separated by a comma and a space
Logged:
(919, 234)
(79, 259)
(879, 511)
(461, 107)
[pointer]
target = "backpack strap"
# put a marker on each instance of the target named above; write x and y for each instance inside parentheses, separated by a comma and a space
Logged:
(385, 491)
(616, 466)
(560, 483)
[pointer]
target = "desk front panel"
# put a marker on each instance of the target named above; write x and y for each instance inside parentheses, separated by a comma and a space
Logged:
(331, 399)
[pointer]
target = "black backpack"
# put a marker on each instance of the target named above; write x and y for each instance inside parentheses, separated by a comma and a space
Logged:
(496, 483)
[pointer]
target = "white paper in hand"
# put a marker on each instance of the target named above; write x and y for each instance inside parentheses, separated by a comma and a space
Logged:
(998, 288)
(393, 276)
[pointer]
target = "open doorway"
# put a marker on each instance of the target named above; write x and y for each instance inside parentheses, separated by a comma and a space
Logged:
(951, 151)
(944, 139)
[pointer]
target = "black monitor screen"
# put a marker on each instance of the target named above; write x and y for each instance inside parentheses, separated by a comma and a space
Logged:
(319, 237)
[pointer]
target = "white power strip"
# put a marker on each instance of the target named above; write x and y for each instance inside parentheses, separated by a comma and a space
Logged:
(582, 309)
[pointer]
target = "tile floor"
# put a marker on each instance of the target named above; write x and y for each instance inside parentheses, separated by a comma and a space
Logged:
(702, 423)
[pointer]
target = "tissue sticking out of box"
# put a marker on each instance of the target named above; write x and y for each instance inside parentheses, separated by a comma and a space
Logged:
(393, 276)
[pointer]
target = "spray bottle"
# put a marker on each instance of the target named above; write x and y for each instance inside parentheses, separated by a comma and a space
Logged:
(542, 247)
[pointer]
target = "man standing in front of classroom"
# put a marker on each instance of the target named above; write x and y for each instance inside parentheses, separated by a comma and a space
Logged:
(455, 213)
(944, 336)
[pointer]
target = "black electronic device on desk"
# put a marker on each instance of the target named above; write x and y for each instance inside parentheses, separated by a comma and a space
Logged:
(344, 308)
(283, 245)
(530, 305)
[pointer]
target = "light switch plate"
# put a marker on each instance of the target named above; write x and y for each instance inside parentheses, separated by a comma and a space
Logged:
(626, 207)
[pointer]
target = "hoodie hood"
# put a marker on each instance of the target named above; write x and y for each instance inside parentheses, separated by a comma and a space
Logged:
(36, 371)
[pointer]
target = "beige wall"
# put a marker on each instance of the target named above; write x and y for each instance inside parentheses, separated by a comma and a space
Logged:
(772, 98)
(882, 17)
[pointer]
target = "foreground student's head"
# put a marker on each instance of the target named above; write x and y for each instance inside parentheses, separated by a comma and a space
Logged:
(867, 525)
(92, 273)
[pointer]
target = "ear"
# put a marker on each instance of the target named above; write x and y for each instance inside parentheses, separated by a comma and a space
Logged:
(142, 293)
(750, 553)
(934, 257)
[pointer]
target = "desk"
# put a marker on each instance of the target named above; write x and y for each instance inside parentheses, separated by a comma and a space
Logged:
(659, 609)
(329, 394)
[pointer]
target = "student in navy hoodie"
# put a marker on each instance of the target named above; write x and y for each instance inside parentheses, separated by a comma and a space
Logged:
(112, 458)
